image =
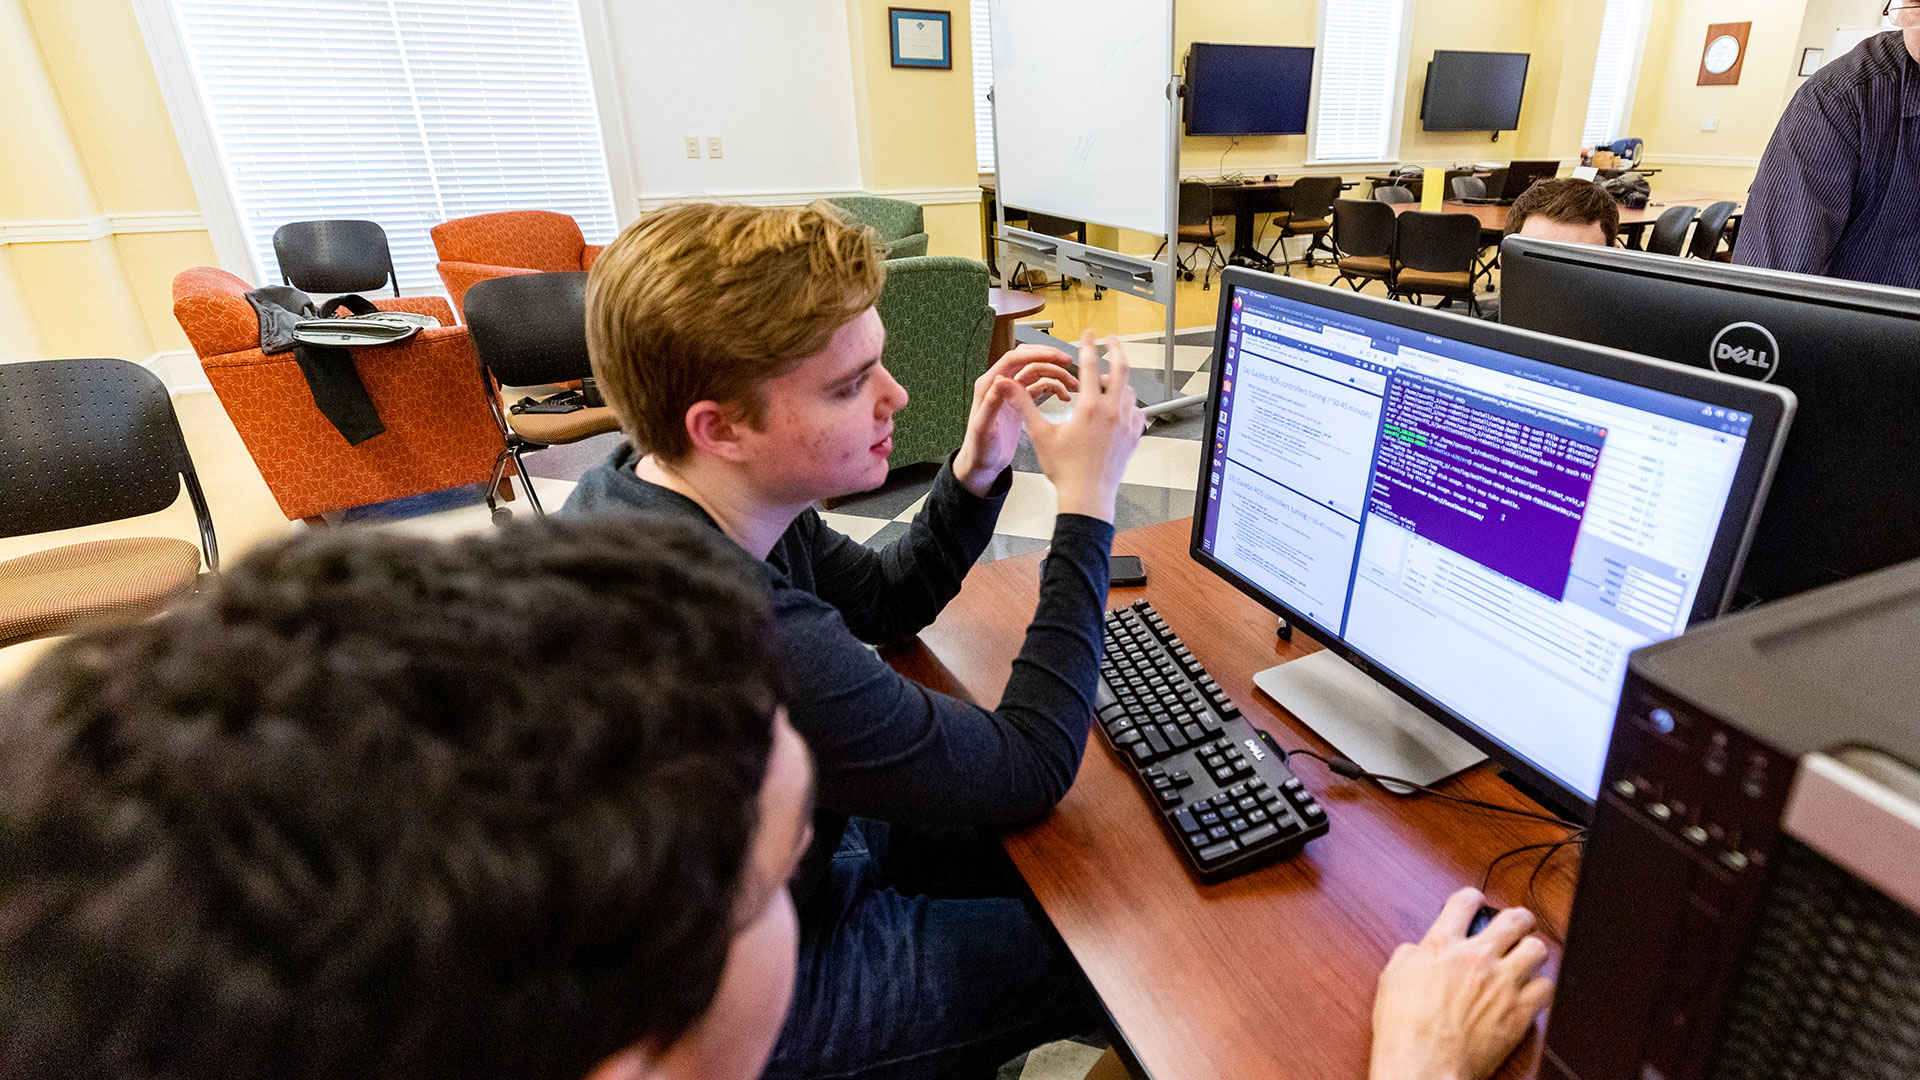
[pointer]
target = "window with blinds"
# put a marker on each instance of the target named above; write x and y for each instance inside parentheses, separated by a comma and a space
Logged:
(1622, 36)
(404, 112)
(982, 82)
(1361, 71)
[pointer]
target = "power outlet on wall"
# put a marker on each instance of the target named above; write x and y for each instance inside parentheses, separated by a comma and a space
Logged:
(693, 146)
(1709, 123)
(713, 146)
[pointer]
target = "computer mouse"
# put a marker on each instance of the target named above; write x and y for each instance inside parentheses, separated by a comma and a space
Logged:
(1481, 918)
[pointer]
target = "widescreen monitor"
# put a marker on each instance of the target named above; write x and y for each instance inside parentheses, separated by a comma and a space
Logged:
(1473, 91)
(1847, 497)
(1248, 89)
(1486, 521)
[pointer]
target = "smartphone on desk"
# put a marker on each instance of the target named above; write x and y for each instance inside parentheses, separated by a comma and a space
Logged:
(1124, 571)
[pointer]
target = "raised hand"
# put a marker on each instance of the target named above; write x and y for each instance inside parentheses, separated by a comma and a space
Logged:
(1453, 1007)
(993, 423)
(1086, 454)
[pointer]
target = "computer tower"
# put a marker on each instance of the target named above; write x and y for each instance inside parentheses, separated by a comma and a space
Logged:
(1749, 904)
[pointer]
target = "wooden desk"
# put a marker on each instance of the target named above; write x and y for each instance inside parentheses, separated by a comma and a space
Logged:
(1008, 305)
(1270, 975)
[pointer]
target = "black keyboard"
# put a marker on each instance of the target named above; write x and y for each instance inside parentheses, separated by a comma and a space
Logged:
(1223, 791)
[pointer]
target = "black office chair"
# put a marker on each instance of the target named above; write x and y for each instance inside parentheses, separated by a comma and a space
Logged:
(1710, 229)
(1670, 230)
(1394, 194)
(1468, 187)
(1310, 214)
(531, 330)
(82, 442)
(332, 257)
(1435, 255)
(1449, 177)
(1363, 232)
(1196, 228)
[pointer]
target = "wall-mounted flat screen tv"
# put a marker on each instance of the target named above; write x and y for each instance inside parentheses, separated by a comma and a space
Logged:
(1474, 91)
(1248, 89)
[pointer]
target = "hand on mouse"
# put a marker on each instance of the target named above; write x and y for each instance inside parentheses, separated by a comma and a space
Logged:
(1452, 1007)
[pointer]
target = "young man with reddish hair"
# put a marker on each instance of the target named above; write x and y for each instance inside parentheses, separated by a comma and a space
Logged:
(741, 349)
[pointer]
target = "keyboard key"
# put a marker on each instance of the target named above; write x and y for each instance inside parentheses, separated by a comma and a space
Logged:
(1161, 783)
(1257, 834)
(1218, 832)
(1155, 740)
(1218, 851)
(1222, 774)
(1313, 812)
(1247, 802)
(1209, 818)
(1256, 784)
(1221, 799)
(1256, 815)
(1197, 839)
(1194, 732)
(1237, 790)
(1238, 825)
(1112, 712)
(1171, 798)
(1128, 737)
(1180, 777)
(1175, 737)
(1142, 753)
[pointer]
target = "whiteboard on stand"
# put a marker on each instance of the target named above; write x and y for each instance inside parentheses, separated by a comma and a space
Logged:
(1080, 109)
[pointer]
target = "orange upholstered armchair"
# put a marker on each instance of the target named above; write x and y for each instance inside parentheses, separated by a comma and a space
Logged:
(440, 430)
(473, 249)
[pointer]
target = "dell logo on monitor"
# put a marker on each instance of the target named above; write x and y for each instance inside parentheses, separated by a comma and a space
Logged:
(1747, 350)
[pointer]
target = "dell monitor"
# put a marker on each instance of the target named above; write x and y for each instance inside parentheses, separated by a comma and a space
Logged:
(1474, 91)
(1479, 523)
(1248, 89)
(1847, 497)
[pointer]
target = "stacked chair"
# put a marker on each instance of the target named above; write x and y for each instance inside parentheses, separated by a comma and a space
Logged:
(530, 331)
(83, 442)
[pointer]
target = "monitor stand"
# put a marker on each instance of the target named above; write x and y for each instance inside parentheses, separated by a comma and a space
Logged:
(1365, 721)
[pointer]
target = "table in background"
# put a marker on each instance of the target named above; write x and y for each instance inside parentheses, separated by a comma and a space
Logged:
(1633, 223)
(1008, 305)
(1271, 974)
(1247, 201)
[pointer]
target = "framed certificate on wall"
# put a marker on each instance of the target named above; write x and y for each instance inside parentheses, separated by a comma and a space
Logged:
(921, 38)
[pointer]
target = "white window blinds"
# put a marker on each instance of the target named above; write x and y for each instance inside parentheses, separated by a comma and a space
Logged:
(1360, 72)
(404, 112)
(982, 82)
(1622, 34)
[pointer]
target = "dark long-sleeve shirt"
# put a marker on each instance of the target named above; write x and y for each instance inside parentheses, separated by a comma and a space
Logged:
(1838, 192)
(883, 745)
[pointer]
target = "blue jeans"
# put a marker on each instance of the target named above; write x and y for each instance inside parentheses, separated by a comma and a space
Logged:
(922, 955)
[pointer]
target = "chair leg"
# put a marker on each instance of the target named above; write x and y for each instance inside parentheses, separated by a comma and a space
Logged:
(316, 522)
(501, 515)
(533, 497)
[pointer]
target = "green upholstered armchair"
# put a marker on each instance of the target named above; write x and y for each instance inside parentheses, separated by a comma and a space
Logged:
(901, 225)
(938, 328)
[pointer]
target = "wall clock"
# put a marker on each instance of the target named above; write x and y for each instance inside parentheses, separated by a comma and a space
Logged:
(1725, 52)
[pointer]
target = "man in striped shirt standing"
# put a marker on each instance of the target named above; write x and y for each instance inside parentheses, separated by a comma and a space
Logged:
(1838, 193)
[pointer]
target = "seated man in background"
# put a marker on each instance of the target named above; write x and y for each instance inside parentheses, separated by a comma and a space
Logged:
(1566, 209)
(741, 349)
(378, 809)
(381, 809)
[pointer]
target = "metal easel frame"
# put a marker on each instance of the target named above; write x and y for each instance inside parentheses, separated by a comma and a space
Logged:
(1130, 274)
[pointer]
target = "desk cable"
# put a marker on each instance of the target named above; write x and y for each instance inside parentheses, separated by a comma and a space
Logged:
(1577, 836)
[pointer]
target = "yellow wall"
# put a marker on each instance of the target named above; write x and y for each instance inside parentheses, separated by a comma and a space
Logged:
(1671, 105)
(915, 126)
(1484, 26)
(89, 138)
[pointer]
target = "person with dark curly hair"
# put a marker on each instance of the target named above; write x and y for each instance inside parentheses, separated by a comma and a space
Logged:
(379, 809)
